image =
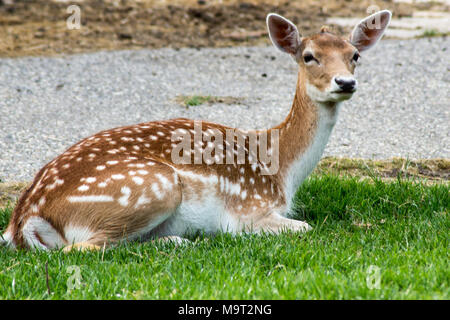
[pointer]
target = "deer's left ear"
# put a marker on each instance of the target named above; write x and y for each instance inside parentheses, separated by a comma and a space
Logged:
(283, 33)
(367, 33)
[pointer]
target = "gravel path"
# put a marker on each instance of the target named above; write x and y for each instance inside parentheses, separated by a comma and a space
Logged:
(47, 104)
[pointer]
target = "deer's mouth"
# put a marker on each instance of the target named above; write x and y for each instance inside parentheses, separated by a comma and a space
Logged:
(347, 91)
(341, 95)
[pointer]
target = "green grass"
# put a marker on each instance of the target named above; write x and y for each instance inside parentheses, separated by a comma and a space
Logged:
(428, 33)
(400, 227)
(196, 100)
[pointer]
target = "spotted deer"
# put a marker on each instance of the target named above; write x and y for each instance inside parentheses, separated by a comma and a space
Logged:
(123, 184)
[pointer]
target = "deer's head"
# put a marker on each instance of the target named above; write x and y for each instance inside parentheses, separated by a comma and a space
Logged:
(327, 62)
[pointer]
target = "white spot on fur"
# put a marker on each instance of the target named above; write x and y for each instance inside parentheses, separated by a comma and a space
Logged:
(126, 194)
(91, 198)
(126, 139)
(91, 180)
(41, 202)
(156, 191)
(142, 200)
(166, 184)
(83, 188)
(233, 188)
(212, 179)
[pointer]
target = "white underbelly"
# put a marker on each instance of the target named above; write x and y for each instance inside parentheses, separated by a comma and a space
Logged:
(200, 215)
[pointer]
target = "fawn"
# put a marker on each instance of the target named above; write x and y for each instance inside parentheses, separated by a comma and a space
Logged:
(123, 184)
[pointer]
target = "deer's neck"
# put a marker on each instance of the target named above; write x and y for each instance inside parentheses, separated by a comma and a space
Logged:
(303, 137)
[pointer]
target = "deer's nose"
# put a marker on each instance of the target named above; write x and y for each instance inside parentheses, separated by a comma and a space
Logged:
(346, 84)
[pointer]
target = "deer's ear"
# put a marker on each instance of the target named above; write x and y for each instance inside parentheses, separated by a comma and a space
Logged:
(283, 33)
(367, 33)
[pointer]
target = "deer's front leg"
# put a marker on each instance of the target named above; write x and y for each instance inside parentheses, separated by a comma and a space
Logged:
(275, 223)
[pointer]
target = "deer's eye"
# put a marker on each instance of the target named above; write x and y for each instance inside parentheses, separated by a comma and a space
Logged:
(356, 57)
(309, 57)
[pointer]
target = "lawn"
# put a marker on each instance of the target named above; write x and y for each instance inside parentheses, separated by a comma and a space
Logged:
(372, 239)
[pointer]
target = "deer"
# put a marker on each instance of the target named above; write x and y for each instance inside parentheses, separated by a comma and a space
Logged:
(123, 184)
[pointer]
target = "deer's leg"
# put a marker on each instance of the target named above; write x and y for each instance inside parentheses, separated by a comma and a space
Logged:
(174, 239)
(275, 223)
(136, 206)
(86, 246)
(82, 246)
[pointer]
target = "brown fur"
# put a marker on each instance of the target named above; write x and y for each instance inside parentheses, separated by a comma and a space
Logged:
(335, 56)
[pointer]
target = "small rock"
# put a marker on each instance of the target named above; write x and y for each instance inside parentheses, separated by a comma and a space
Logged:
(124, 36)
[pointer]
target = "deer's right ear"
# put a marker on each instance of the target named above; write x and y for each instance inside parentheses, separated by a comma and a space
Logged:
(283, 33)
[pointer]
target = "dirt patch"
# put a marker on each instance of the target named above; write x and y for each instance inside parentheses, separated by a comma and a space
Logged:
(192, 101)
(39, 27)
(432, 170)
(10, 192)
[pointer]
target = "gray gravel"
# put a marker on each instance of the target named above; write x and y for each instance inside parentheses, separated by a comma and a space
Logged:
(47, 104)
